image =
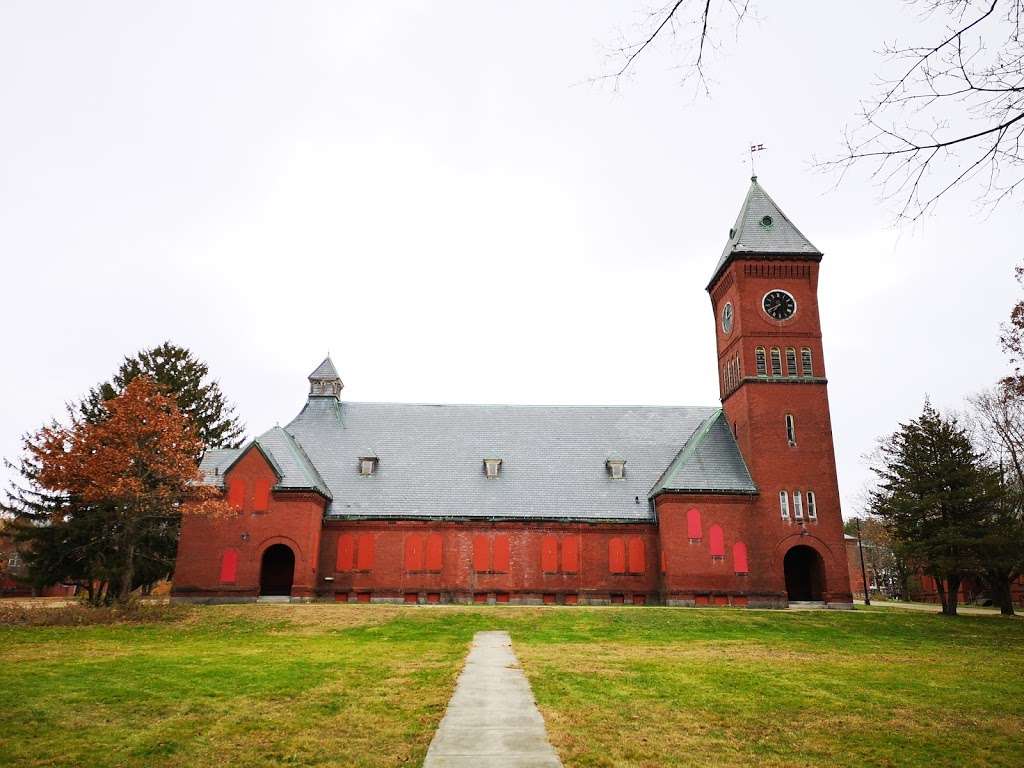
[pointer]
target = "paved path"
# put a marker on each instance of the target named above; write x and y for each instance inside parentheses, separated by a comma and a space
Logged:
(492, 720)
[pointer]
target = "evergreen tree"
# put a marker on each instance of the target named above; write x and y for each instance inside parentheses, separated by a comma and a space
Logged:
(66, 538)
(178, 373)
(938, 498)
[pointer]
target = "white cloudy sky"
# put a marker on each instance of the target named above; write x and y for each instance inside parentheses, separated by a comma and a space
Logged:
(423, 189)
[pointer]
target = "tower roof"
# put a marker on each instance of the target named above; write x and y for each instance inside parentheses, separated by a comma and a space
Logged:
(763, 231)
(325, 371)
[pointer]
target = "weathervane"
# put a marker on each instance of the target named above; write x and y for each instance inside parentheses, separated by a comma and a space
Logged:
(754, 148)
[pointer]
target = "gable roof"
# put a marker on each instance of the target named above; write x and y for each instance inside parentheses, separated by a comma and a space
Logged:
(709, 462)
(289, 461)
(749, 238)
(430, 458)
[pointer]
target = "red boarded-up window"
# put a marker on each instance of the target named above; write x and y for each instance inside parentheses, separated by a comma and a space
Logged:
(228, 566)
(363, 597)
(549, 599)
(346, 552)
(413, 552)
(739, 557)
(434, 552)
(716, 542)
(637, 556)
(571, 599)
(639, 599)
(261, 495)
(693, 525)
(364, 554)
(549, 554)
(616, 556)
(481, 554)
(236, 493)
(501, 554)
(571, 554)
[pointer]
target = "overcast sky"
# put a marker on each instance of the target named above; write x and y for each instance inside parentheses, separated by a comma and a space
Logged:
(425, 190)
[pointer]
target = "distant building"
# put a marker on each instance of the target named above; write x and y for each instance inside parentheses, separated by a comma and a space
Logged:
(731, 505)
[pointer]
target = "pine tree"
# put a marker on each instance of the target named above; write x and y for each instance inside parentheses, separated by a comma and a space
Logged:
(178, 373)
(66, 538)
(938, 498)
(115, 490)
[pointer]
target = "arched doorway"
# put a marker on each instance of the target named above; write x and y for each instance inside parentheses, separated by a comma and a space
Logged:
(805, 574)
(277, 570)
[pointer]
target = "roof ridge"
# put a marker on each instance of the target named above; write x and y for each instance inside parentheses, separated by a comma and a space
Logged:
(684, 454)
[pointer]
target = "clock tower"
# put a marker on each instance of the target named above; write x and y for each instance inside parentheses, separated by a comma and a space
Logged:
(771, 365)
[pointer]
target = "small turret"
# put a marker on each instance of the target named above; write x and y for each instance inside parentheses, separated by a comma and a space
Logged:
(325, 381)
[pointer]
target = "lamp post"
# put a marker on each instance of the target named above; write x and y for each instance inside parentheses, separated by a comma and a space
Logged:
(863, 570)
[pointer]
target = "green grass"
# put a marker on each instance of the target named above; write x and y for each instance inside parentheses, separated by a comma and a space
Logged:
(367, 685)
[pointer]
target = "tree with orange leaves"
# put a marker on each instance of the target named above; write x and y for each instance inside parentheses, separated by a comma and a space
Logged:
(134, 472)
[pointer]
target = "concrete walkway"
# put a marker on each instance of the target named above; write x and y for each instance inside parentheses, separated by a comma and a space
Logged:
(492, 720)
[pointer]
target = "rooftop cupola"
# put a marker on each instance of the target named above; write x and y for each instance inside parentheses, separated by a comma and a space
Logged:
(325, 381)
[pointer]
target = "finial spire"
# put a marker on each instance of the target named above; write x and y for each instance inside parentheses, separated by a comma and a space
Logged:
(754, 148)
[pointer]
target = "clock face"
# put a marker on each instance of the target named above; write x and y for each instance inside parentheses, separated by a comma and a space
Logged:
(727, 319)
(779, 305)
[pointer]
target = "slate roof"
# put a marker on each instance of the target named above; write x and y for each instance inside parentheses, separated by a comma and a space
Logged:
(325, 371)
(294, 469)
(430, 458)
(749, 238)
(709, 462)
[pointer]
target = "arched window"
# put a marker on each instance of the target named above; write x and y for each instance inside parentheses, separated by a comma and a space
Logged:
(716, 542)
(693, 532)
(261, 495)
(762, 366)
(228, 566)
(481, 554)
(502, 554)
(616, 555)
(434, 546)
(637, 555)
(784, 504)
(790, 361)
(776, 362)
(570, 555)
(236, 493)
(364, 552)
(805, 354)
(812, 507)
(414, 552)
(798, 505)
(346, 552)
(739, 558)
(549, 554)
(790, 429)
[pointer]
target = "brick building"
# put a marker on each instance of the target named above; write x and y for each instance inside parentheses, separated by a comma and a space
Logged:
(731, 505)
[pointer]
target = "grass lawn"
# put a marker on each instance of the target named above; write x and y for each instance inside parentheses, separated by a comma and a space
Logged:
(366, 686)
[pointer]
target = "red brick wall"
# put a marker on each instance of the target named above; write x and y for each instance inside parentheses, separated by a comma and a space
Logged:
(525, 578)
(757, 409)
(294, 519)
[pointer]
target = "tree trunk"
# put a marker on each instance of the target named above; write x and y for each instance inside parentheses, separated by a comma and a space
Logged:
(1003, 595)
(952, 596)
(128, 575)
